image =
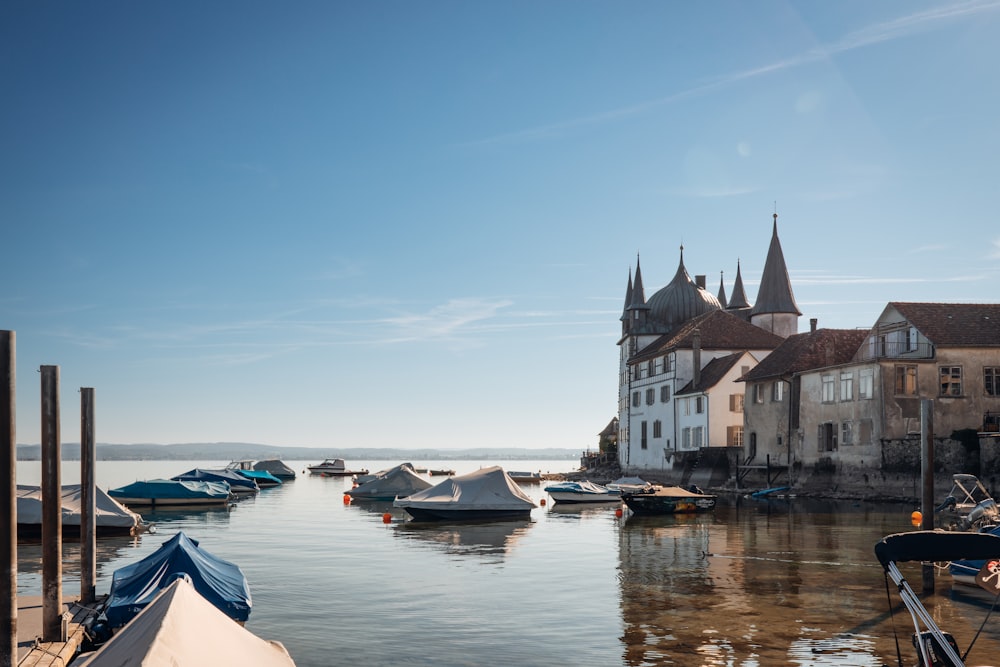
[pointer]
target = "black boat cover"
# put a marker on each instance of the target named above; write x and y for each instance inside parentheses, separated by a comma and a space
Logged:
(936, 545)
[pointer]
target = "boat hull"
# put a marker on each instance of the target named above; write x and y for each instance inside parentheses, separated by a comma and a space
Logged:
(172, 502)
(444, 514)
(568, 498)
(668, 501)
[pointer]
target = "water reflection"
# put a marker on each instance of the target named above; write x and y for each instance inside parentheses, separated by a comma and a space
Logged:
(582, 510)
(756, 584)
(182, 518)
(494, 539)
(29, 561)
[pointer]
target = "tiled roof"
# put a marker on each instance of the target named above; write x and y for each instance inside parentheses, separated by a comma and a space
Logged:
(954, 324)
(808, 351)
(719, 330)
(712, 373)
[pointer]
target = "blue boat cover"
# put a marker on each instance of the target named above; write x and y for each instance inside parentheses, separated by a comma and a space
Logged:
(220, 582)
(235, 480)
(260, 476)
(171, 488)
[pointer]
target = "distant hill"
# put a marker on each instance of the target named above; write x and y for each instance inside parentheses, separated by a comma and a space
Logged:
(234, 451)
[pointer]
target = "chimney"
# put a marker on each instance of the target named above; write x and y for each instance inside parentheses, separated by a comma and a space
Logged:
(696, 348)
(700, 281)
(812, 325)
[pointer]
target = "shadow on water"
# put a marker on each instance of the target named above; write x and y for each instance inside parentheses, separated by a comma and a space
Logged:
(485, 539)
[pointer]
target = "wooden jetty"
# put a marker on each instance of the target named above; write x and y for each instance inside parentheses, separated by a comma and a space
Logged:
(32, 651)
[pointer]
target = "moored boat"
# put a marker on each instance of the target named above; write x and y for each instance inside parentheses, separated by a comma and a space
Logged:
(172, 493)
(246, 469)
(110, 517)
(239, 485)
(219, 581)
(276, 467)
(968, 506)
(525, 477)
(582, 492)
(398, 482)
(486, 494)
(335, 468)
(668, 500)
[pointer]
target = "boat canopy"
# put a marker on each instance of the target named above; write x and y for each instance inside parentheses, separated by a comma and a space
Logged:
(109, 512)
(936, 545)
(400, 482)
(236, 481)
(180, 627)
(220, 582)
(276, 467)
(485, 489)
(171, 488)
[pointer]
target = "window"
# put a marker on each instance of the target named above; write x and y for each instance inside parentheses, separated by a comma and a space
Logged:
(686, 438)
(846, 437)
(866, 384)
(687, 406)
(991, 380)
(734, 436)
(758, 393)
(635, 399)
(906, 380)
(650, 368)
(644, 444)
(847, 386)
(827, 384)
(670, 359)
(650, 396)
(778, 391)
(736, 402)
(696, 434)
(827, 437)
(657, 429)
(665, 394)
(911, 339)
(699, 404)
(951, 380)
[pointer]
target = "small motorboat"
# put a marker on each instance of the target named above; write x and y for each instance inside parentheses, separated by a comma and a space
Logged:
(525, 477)
(172, 493)
(966, 571)
(440, 472)
(968, 506)
(582, 492)
(220, 582)
(335, 468)
(276, 467)
(668, 500)
(110, 517)
(934, 646)
(246, 469)
(486, 494)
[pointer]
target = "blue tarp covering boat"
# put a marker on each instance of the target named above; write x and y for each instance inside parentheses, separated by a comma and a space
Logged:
(220, 582)
(164, 492)
(237, 483)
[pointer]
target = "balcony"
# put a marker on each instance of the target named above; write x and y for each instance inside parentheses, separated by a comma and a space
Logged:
(876, 349)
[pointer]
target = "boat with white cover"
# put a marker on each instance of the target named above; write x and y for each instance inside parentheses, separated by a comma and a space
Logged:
(582, 492)
(486, 494)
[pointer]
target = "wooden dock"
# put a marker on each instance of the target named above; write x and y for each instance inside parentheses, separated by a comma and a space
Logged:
(31, 651)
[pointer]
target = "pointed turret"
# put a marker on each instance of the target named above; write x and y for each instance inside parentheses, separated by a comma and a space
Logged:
(739, 299)
(636, 309)
(775, 308)
(722, 290)
(628, 296)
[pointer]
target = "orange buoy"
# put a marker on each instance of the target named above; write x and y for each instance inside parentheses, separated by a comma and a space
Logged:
(618, 512)
(347, 499)
(916, 517)
(542, 502)
(386, 518)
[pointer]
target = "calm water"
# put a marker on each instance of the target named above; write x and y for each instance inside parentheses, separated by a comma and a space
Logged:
(754, 584)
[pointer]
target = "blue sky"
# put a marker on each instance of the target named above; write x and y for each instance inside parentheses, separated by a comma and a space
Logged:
(410, 224)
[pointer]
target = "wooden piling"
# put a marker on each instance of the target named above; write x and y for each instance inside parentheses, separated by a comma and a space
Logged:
(8, 502)
(927, 481)
(52, 630)
(88, 508)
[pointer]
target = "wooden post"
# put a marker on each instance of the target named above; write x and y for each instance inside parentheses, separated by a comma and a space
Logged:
(51, 508)
(88, 507)
(927, 480)
(8, 502)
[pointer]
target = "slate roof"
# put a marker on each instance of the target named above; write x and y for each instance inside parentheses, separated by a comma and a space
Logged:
(719, 330)
(712, 373)
(809, 351)
(954, 324)
(775, 293)
(739, 298)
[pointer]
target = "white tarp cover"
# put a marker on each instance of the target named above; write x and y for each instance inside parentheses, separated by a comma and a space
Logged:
(109, 512)
(400, 482)
(180, 628)
(485, 489)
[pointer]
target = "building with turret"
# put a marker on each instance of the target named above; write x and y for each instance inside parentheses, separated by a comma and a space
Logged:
(681, 354)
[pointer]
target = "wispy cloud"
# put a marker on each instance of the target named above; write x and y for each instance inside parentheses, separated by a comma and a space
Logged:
(878, 33)
(995, 252)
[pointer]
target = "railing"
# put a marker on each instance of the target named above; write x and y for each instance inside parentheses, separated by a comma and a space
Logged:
(875, 348)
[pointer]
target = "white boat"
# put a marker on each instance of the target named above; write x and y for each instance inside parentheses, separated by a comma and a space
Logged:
(335, 468)
(488, 493)
(629, 484)
(398, 482)
(582, 492)
(110, 518)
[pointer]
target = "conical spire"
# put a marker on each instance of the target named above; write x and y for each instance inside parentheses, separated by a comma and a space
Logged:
(722, 290)
(775, 293)
(628, 296)
(739, 299)
(638, 293)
